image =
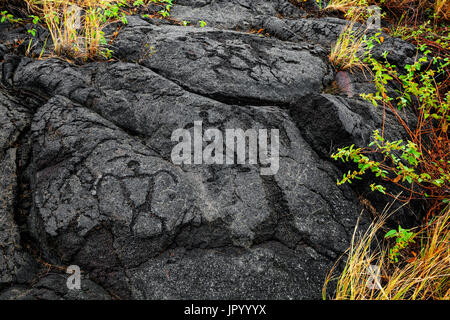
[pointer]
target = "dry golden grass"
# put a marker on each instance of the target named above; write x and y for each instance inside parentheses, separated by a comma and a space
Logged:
(442, 8)
(347, 51)
(425, 276)
(76, 26)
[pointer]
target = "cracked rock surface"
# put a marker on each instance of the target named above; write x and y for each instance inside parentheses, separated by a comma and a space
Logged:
(89, 147)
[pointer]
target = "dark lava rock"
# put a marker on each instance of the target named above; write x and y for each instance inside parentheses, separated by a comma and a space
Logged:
(107, 197)
(14, 118)
(232, 14)
(53, 287)
(232, 274)
(328, 121)
(219, 64)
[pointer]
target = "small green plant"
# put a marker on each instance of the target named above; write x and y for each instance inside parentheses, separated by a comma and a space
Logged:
(320, 3)
(403, 237)
(138, 3)
(76, 26)
(165, 12)
(32, 32)
(202, 23)
(426, 32)
(6, 16)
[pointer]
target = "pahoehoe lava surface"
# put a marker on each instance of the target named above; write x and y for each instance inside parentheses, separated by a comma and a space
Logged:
(87, 178)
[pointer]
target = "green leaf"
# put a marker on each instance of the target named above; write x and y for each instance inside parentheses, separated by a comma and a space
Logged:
(390, 234)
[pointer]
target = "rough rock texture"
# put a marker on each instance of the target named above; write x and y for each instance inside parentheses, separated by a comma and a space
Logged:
(13, 120)
(233, 14)
(324, 117)
(53, 287)
(95, 141)
(219, 64)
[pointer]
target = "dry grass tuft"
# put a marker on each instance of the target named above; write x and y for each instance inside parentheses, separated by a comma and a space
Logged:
(441, 8)
(345, 5)
(346, 54)
(369, 274)
(76, 26)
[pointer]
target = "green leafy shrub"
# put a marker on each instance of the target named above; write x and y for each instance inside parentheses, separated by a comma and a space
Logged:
(421, 164)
